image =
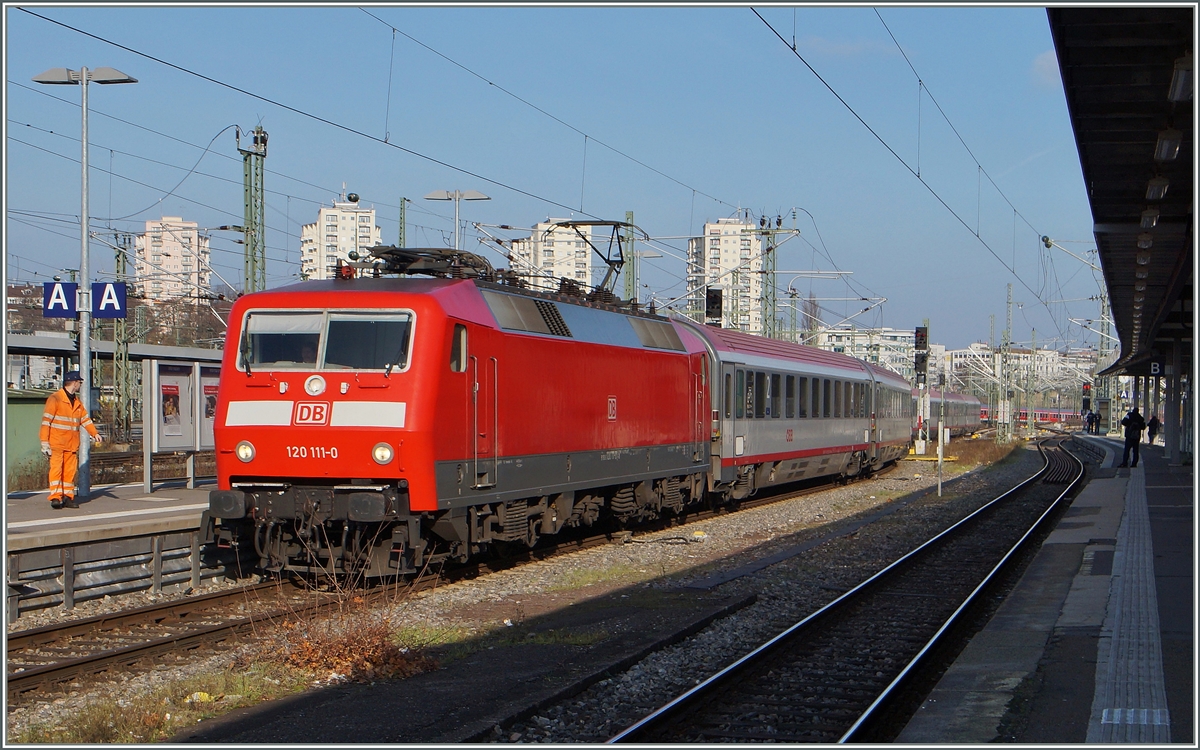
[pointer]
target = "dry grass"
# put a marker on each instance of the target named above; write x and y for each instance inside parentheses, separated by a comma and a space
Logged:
(169, 709)
(981, 451)
(354, 643)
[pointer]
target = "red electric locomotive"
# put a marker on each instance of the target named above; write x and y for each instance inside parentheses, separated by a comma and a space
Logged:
(376, 425)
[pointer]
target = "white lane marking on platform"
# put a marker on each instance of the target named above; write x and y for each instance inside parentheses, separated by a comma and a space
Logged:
(151, 499)
(99, 516)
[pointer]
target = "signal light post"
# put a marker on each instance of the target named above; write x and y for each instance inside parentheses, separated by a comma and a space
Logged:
(921, 368)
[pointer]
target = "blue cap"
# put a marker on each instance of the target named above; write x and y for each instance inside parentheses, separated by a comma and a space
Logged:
(72, 376)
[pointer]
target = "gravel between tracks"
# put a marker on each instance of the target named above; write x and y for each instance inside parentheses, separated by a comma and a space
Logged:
(786, 592)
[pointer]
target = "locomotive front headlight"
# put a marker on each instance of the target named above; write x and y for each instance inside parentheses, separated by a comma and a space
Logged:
(315, 385)
(245, 451)
(382, 453)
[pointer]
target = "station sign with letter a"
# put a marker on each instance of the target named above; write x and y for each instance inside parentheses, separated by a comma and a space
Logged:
(108, 300)
(60, 299)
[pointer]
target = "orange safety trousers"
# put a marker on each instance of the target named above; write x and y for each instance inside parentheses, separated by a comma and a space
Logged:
(63, 465)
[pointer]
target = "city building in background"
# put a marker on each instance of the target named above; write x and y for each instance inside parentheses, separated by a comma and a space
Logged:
(887, 347)
(172, 262)
(346, 226)
(551, 253)
(728, 257)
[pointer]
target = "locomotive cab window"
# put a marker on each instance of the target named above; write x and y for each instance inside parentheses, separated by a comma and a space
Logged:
(367, 342)
(277, 340)
(281, 340)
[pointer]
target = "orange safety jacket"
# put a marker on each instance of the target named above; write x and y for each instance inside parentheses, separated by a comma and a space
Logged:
(61, 422)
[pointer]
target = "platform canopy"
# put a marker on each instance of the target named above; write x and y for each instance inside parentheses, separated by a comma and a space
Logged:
(1128, 75)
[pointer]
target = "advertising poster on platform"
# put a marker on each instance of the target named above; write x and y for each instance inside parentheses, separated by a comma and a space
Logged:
(210, 378)
(174, 407)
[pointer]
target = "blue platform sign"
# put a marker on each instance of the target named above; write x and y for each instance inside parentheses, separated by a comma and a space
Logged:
(108, 300)
(59, 299)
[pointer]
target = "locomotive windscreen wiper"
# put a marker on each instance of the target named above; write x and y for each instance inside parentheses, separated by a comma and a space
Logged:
(387, 371)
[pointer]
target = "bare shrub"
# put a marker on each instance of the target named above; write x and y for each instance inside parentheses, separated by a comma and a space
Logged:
(353, 643)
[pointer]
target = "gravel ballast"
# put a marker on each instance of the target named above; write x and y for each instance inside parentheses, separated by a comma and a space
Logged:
(671, 559)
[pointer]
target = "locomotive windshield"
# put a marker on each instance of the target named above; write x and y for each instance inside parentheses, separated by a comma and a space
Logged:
(325, 340)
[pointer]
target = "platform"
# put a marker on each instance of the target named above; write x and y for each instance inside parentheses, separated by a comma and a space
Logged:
(111, 511)
(1095, 644)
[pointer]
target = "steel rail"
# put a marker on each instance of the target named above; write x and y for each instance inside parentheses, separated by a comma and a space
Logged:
(710, 686)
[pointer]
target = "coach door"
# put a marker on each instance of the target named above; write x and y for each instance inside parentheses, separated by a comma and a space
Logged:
(700, 409)
(873, 393)
(485, 419)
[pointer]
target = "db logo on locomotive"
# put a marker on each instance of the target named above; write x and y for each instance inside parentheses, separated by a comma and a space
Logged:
(311, 413)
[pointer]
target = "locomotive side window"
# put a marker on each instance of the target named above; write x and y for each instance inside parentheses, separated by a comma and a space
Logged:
(368, 342)
(776, 394)
(458, 349)
(281, 340)
(803, 398)
(790, 396)
(740, 401)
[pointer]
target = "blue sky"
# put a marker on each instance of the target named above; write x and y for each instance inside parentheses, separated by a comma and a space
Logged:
(679, 114)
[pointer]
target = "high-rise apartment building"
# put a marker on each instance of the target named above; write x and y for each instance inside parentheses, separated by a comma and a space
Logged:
(338, 229)
(551, 253)
(172, 262)
(728, 257)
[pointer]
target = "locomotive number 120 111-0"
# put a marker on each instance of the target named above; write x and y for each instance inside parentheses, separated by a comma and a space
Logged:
(312, 451)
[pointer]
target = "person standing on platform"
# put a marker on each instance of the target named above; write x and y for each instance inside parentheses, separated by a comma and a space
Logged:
(1152, 428)
(61, 420)
(1134, 424)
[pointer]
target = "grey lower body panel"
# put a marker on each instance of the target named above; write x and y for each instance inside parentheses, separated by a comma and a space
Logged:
(516, 477)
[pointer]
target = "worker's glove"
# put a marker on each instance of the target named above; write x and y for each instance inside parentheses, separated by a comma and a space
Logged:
(45, 449)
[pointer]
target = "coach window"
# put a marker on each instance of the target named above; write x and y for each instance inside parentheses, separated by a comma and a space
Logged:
(851, 404)
(728, 395)
(458, 349)
(837, 399)
(867, 393)
(760, 394)
(776, 397)
(740, 400)
(826, 410)
(803, 398)
(816, 397)
(789, 396)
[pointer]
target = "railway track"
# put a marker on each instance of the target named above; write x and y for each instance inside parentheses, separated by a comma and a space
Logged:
(42, 660)
(844, 673)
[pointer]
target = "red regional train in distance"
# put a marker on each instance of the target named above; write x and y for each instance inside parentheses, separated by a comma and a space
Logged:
(373, 424)
(1041, 415)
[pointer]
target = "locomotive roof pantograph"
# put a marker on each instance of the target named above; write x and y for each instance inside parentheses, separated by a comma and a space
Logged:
(613, 255)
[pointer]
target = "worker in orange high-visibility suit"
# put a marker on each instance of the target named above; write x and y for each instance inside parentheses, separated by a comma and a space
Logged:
(64, 415)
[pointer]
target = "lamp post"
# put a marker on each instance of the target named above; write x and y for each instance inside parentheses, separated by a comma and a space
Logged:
(66, 77)
(456, 196)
